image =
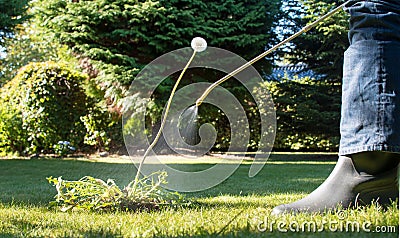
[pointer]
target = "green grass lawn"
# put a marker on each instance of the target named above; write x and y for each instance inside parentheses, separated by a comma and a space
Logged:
(238, 207)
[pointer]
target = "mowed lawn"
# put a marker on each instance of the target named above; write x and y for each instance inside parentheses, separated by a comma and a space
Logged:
(238, 207)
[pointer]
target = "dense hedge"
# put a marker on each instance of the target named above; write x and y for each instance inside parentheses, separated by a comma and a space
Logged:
(46, 103)
(308, 114)
(41, 106)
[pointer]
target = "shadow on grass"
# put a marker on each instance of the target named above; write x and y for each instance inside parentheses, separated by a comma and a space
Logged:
(24, 181)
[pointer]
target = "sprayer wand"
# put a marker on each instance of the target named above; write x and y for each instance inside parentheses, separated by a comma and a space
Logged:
(198, 45)
(262, 55)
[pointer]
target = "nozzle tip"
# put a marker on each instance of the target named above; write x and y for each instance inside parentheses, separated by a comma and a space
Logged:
(199, 44)
(198, 103)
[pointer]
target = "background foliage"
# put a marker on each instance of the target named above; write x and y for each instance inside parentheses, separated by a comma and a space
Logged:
(119, 37)
(41, 106)
(31, 44)
(12, 13)
(321, 48)
(112, 40)
(308, 114)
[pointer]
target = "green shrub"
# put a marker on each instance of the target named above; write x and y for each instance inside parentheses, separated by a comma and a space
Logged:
(12, 136)
(62, 148)
(41, 106)
(96, 123)
(308, 114)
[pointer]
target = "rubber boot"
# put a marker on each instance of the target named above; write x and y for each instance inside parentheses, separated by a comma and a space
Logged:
(356, 180)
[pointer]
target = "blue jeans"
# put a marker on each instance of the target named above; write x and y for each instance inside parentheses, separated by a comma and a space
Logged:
(370, 117)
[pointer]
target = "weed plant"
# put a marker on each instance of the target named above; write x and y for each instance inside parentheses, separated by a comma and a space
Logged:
(93, 194)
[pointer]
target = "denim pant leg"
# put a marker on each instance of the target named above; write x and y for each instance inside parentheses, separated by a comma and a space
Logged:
(370, 117)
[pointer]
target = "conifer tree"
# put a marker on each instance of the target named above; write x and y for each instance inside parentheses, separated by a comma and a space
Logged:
(12, 13)
(119, 37)
(321, 48)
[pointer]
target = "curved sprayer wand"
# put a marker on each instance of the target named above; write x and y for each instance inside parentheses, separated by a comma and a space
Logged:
(198, 45)
(262, 55)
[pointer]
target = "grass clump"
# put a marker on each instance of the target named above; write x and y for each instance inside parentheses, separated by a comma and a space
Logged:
(93, 194)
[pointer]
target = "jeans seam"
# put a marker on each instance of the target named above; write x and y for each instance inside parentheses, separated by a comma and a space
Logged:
(371, 147)
(381, 106)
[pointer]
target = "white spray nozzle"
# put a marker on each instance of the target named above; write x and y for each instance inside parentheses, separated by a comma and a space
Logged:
(199, 44)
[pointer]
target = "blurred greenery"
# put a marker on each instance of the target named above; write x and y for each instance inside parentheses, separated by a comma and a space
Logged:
(12, 13)
(322, 47)
(308, 114)
(110, 41)
(41, 106)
